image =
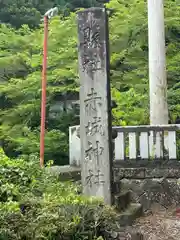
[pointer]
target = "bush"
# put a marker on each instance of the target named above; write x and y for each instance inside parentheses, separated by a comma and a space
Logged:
(35, 205)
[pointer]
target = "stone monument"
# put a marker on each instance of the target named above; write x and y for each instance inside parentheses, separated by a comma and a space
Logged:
(95, 104)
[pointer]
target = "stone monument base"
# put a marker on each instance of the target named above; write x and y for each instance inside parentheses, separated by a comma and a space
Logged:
(149, 183)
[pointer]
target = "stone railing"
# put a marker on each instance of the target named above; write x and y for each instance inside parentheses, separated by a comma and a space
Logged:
(134, 143)
(146, 142)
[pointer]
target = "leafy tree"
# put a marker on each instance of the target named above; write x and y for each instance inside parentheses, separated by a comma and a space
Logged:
(21, 118)
(21, 64)
(129, 50)
(30, 12)
(20, 12)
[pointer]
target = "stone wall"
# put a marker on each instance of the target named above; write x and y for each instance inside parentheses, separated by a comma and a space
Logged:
(156, 182)
(150, 182)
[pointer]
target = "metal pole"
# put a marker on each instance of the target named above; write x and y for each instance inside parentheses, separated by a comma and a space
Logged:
(43, 96)
(49, 14)
(157, 63)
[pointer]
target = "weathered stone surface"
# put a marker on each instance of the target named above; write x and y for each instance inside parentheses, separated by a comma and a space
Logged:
(147, 164)
(162, 173)
(151, 185)
(66, 173)
(127, 217)
(95, 104)
(147, 191)
(121, 233)
(136, 173)
(142, 173)
(165, 192)
(122, 200)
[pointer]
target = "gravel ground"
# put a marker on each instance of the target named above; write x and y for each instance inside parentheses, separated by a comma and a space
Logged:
(160, 225)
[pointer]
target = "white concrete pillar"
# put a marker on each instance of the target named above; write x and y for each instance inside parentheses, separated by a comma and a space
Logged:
(74, 147)
(157, 63)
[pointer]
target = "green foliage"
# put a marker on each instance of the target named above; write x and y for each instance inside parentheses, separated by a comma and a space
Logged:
(35, 205)
(30, 12)
(135, 103)
(129, 57)
(20, 12)
(20, 76)
(21, 95)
